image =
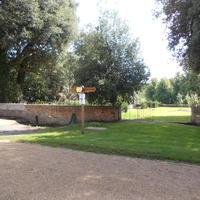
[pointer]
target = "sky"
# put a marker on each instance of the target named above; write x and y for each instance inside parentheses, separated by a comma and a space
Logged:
(150, 31)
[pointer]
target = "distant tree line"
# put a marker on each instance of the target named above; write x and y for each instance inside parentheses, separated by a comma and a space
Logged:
(178, 90)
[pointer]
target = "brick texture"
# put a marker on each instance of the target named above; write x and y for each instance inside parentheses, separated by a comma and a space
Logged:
(58, 115)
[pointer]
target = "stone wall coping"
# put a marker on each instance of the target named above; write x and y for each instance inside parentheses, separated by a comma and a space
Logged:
(68, 105)
(25, 104)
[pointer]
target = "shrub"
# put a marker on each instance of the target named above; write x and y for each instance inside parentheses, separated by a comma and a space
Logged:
(124, 107)
(144, 105)
(155, 104)
(41, 102)
(150, 104)
(192, 99)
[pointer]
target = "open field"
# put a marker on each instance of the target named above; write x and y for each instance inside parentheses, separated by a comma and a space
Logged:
(138, 139)
(177, 114)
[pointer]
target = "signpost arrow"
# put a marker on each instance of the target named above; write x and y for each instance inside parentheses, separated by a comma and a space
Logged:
(83, 89)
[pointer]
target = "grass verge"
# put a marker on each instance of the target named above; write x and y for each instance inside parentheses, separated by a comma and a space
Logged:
(176, 114)
(138, 139)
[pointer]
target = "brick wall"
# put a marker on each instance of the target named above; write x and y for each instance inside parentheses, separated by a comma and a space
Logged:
(196, 114)
(58, 115)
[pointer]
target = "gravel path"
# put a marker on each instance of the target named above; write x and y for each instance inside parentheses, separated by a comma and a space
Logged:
(34, 172)
(12, 127)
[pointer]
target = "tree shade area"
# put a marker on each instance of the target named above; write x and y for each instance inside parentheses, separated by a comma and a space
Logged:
(183, 20)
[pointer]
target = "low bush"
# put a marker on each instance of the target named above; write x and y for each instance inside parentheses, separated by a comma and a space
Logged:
(144, 105)
(124, 107)
(150, 104)
(155, 104)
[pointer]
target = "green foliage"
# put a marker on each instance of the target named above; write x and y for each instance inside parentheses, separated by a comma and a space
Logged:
(150, 104)
(183, 84)
(192, 99)
(180, 99)
(124, 107)
(70, 65)
(35, 88)
(153, 104)
(164, 92)
(150, 91)
(33, 34)
(109, 60)
(174, 90)
(183, 21)
(139, 97)
(53, 83)
(144, 105)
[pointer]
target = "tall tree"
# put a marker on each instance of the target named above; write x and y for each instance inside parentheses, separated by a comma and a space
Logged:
(33, 33)
(185, 83)
(173, 90)
(53, 83)
(183, 20)
(164, 92)
(150, 91)
(109, 60)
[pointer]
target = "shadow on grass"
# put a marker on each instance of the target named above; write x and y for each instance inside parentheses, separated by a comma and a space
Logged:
(137, 139)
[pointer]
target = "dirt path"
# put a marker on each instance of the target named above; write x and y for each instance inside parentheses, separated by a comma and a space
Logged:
(12, 127)
(34, 172)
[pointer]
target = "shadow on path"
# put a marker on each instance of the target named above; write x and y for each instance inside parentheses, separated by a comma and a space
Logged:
(15, 127)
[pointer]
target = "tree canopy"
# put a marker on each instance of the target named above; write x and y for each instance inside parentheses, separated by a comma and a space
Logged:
(174, 90)
(109, 60)
(183, 20)
(164, 92)
(150, 90)
(33, 34)
(51, 84)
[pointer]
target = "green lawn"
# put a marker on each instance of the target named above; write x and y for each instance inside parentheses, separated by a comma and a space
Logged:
(177, 114)
(138, 139)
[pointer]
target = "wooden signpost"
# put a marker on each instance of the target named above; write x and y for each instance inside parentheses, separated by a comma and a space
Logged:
(81, 91)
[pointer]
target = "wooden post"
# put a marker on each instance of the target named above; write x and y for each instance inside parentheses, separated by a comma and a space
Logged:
(82, 118)
(82, 90)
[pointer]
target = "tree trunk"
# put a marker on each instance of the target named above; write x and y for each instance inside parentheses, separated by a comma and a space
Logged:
(20, 76)
(4, 84)
(4, 81)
